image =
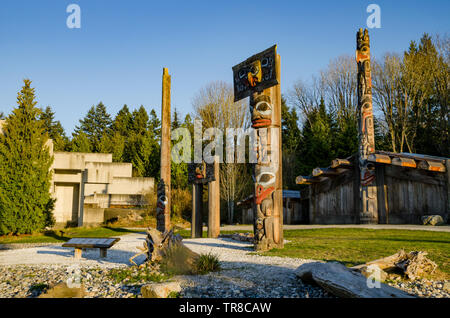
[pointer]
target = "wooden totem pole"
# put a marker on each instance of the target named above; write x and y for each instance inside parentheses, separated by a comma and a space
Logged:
(368, 191)
(164, 188)
(198, 175)
(259, 78)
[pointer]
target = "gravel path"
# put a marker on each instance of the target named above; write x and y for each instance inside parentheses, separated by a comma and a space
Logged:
(247, 275)
(243, 273)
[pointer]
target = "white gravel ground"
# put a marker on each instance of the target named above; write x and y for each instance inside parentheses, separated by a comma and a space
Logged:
(226, 249)
(118, 255)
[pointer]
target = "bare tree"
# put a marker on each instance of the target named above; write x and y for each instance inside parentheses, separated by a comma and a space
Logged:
(340, 82)
(215, 106)
(305, 97)
(386, 90)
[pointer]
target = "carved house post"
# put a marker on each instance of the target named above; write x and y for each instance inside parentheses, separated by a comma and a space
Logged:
(368, 211)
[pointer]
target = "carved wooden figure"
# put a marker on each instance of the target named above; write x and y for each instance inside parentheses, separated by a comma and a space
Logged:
(200, 174)
(259, 78)
(368, 191)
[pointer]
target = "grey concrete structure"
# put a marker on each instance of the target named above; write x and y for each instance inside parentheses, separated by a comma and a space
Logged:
(84, 184)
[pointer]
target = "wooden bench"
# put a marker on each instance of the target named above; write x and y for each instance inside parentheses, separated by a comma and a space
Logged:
(90, 242)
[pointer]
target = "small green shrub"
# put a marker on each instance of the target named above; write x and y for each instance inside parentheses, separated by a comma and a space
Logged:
(206, 263)
(135, 274)
(39, 287)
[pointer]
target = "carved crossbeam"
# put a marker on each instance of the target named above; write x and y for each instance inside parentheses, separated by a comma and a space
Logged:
(379, 158)
(305, 180)
(404, 162)
(431, 166)
(325, 172)
(341, 163)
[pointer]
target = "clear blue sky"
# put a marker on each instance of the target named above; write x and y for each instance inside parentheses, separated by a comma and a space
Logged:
(118, 54)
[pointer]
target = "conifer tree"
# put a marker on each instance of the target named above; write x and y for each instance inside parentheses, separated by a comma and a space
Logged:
(95, 124)
(25, 174)
(54, 129)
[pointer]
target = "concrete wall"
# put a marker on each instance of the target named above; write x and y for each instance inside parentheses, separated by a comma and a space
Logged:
(100, 183)
(77, 160)
(135, 185)
(93, 215)
(108, 200)
(104, 172)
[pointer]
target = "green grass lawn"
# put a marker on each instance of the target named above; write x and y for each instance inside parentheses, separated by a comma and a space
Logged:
(357, 246)
(54, 236)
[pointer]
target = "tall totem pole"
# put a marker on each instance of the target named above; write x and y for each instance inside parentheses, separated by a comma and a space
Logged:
(259, 78)
(164, 188)
(368, 192)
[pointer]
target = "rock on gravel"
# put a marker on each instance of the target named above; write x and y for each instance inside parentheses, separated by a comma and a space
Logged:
(160, 290)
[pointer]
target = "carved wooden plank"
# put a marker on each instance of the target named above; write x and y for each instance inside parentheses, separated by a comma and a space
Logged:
(303, 180)
(404, 162)
(326, 172)
(415, 175)
(341, 163)
(379, 158)
(431, 166)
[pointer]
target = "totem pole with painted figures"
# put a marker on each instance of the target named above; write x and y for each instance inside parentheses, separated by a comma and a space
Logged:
(258, 77)
(368, 191)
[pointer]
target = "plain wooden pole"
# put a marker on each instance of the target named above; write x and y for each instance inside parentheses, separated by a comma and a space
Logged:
(197, 206)
(214, 202)
(165, 149)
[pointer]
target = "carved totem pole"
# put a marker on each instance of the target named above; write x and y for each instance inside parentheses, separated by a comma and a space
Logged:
(164, 189)
(368, 191)
(259, 78)
(198, 175)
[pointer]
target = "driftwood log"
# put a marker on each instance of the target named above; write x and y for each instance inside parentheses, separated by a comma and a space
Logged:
(165, 247)
(343, 282)
(413, 264)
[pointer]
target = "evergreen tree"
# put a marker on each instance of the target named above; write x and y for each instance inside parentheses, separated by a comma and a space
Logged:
(54, 129)
(80, 143)
(95, 124)
(290, 133)
(317, 144)
(25, 175)
(122, 121)
(155, 124)
(175, 121)
(140, 121)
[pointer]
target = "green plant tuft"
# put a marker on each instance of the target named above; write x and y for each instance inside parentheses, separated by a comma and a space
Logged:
(206, 263)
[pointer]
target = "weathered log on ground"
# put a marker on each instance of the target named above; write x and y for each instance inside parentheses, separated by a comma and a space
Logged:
(413, 264)
(341, 281)
(168, 250)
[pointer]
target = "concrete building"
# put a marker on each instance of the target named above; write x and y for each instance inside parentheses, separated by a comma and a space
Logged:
(85, 184)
